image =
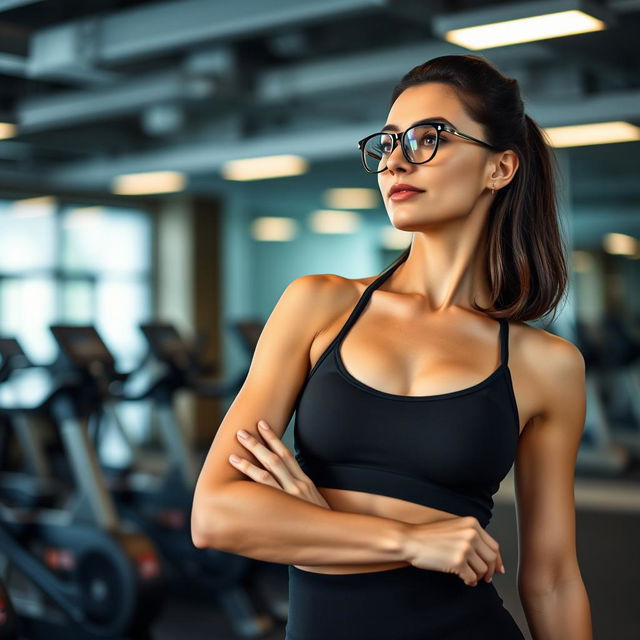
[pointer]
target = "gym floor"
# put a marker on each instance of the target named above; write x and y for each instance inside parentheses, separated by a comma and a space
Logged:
(608, 528)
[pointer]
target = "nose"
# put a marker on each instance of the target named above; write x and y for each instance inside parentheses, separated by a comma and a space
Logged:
(396, 160)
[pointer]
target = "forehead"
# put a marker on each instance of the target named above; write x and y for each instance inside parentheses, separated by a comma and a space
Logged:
(427, 100)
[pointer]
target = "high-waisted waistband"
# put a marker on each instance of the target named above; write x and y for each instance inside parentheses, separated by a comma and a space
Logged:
(404, 603)
(401, 573)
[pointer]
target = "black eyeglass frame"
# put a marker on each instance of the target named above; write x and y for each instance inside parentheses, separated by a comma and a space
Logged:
(398, 138)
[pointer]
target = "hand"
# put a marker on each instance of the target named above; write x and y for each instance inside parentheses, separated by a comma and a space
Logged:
(281, 469)
(455, 545)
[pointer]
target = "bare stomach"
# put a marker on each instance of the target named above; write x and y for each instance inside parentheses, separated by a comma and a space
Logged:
(375, 505)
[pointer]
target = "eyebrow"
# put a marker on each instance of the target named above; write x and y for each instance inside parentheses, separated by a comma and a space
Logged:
(393, 127)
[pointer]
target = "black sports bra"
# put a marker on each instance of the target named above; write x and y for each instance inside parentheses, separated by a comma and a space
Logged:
(448, 451)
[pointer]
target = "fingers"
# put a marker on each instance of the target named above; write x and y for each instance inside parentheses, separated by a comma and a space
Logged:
(482, 565)
(489, 551)
(478, 569)
(275, 458)
(495, 549)
(255, 473)
(486, 566)
(483, 556)
(275, 444)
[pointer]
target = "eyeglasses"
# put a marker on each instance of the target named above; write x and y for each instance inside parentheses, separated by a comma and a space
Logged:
(419, 144)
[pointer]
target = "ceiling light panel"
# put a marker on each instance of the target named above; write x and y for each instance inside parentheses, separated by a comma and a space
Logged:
(509, 24)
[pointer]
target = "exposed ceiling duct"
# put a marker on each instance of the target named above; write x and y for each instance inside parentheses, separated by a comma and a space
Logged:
(188, 85)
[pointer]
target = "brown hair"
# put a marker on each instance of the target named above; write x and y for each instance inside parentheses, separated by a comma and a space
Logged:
(526, 255)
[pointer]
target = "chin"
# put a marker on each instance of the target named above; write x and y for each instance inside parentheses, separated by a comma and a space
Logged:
(417, 223)
(407, 225)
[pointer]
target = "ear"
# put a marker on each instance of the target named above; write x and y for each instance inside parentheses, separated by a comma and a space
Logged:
(503, 168)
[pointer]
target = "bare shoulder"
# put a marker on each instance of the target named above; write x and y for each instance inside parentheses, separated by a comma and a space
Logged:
(555, 366)
(328, 285)
(548, 352)
(326, 296)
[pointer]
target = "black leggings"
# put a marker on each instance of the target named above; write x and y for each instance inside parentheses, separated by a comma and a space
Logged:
(405, 603)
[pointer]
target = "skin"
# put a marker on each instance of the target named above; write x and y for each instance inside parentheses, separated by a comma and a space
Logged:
(430, 295)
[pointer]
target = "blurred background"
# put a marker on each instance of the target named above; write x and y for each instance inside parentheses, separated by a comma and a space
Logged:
(166, 169)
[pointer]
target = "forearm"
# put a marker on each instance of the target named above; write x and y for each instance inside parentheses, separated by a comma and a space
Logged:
(562, 613)
(265, 523)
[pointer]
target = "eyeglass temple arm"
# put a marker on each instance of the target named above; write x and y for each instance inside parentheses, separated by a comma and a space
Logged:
(467, 137)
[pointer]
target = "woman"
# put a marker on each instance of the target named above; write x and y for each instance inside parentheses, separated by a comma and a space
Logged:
(404, 432)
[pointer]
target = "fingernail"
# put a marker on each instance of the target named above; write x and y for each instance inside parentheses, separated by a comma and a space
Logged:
(243, 434)
(234, 458)
(502, 569)
(264, 425)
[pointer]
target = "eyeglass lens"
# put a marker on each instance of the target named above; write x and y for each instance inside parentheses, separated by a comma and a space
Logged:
(419, 146)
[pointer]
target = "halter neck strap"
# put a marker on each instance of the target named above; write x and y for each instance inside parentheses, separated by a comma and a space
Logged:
(364, 298)
(504, 341)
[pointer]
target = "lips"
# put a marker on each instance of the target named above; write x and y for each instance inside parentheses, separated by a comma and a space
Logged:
(404, 187)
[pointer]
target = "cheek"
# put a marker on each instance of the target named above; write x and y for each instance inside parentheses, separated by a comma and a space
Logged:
(454, 195)
(456, 198)
(459, 178)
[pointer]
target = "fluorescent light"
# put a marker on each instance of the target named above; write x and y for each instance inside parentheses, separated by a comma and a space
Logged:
(352, 198)
(273, 229)
(7, 130)
(620, 244)
(328, 221)
(264, 167)
(595, 133)
(498, 25)
(33, 207)
(148, 182)
(499, 34)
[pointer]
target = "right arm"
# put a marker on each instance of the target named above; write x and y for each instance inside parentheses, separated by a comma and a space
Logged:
(234, 514)
(237, 515)
(267, 524)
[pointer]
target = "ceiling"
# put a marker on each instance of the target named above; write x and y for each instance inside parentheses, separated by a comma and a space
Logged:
(104, 87)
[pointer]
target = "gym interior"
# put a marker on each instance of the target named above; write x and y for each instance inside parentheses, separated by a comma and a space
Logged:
(167, 168)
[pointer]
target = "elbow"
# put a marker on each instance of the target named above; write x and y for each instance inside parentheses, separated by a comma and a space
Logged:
(198, 536)
(207, 531)
(547, 577)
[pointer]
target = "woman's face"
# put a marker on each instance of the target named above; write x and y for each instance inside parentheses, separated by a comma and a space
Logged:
(453, 180)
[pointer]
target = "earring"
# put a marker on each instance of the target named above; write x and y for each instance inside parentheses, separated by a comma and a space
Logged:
(493, 184)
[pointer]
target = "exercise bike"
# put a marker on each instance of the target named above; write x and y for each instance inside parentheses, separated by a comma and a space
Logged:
(158, 500)
(71, 567)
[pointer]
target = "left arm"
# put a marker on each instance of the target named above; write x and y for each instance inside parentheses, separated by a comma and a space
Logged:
(551, 589)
